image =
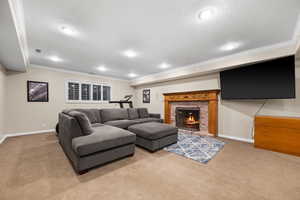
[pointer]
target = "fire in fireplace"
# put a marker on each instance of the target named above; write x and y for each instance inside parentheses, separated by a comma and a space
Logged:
(188, 118)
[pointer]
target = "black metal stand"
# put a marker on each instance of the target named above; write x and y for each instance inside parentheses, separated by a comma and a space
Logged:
(122, 102)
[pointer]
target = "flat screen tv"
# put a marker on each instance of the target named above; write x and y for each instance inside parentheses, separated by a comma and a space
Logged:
(272, 79)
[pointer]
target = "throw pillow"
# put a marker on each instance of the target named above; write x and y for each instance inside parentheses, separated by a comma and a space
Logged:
(83, 121)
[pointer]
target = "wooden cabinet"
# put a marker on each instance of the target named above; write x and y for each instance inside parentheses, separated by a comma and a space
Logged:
(281, 134)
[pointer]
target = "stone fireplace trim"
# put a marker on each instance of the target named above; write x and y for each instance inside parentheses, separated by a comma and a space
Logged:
(205, 95)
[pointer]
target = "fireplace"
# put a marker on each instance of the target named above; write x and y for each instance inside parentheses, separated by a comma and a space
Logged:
(206, 101)
(188, 118)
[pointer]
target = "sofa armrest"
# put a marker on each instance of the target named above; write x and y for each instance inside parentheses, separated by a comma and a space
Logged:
(154, 115)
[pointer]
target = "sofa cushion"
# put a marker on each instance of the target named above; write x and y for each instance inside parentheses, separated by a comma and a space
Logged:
(149, 119)
(83, 121)
(103, 138)
(133, 113)
(92, 114)
(97, 125)
(124, 123)
(113, 114)
(154, 115)
(143, 112)
(153, 130)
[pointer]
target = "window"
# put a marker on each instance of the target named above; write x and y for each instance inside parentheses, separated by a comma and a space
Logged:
(85, 92)
(106, 93)
(73, 91)
(97, 93)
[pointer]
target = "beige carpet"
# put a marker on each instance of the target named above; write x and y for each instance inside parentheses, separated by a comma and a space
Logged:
(35, 168)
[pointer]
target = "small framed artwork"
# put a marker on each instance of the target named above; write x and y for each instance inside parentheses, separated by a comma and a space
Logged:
(37, 91)
(146, 96)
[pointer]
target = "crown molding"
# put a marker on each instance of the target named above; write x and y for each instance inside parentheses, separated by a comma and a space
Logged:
(17, 11)
(78, 73)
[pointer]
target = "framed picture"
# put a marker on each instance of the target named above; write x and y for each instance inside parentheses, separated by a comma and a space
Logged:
(37, 91)
(146, 96)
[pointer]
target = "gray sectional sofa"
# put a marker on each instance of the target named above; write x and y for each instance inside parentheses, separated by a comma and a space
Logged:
(91, 137)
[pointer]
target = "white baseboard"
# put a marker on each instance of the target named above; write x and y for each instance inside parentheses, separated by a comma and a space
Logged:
(25, 133)
(237, 138)
(2, 138)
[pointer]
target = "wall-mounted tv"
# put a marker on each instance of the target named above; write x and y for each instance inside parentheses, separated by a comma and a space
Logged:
(272, 79)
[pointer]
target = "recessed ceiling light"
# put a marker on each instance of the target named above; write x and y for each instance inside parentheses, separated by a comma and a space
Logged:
(130, 53)
(102, 68)
(164, 66)
(55, 58)
(230, 46)
(68, 31)
(132, 75)
(205, 14)
(38, 50)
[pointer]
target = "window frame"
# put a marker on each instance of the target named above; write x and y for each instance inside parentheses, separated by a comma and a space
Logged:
(67, 91)
(106, 101)
(91, 92)
(101, 86)
(90, 96)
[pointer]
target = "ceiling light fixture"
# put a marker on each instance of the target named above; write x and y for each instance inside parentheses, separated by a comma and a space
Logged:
(55, 58)
(130, 53)
(38, 50)
(102, 68)
(164, 66)
(230, 46)
(68, 31)
(205, 14)
(132, 75)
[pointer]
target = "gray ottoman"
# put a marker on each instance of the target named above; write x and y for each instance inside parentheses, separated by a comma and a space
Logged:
(153, 135)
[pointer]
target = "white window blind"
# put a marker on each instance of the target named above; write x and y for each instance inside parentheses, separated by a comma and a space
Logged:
(106, 93)
(73, 91)
(85, 92)
(97, 92)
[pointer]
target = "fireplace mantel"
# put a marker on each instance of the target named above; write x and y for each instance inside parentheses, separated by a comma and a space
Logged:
(205, 95)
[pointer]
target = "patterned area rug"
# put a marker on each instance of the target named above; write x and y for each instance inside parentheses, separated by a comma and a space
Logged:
(198, 148)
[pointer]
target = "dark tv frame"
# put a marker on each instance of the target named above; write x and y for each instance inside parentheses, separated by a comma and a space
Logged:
(249, 64)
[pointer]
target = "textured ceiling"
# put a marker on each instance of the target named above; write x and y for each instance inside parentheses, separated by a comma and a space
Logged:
(160, 31)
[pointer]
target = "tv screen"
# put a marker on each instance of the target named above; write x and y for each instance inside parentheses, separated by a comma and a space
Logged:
(273, 79)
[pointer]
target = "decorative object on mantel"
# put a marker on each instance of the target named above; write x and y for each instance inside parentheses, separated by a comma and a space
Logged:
(146, 96)
(195, 147)
(37, 91)
(210, 96)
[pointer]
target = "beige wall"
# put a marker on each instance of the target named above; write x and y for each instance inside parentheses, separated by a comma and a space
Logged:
(2, 100)
(22, 116)
(235, 117)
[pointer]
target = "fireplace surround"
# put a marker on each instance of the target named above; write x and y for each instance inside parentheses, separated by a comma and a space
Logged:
(207, 97)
